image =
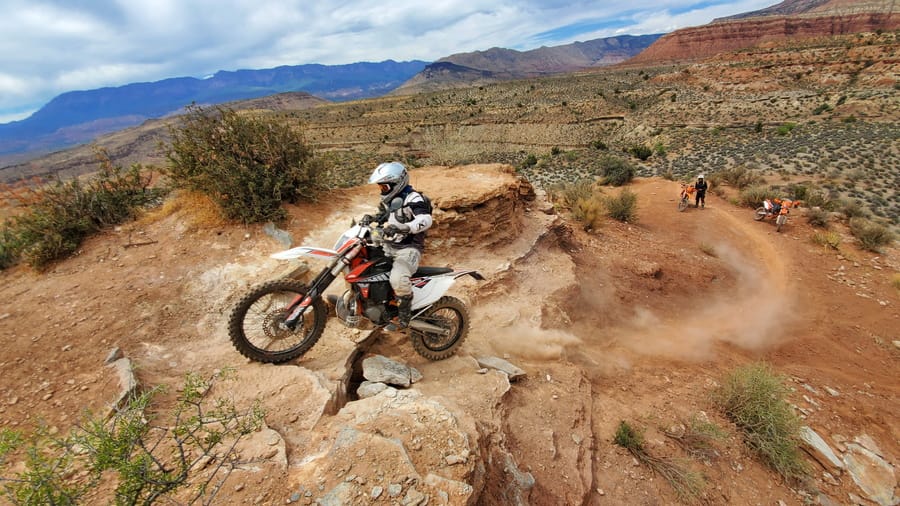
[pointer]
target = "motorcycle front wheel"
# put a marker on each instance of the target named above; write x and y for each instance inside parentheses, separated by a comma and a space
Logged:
(256, 325)
(448, 313)
(779, 222)
(760, 213)
(682, 205)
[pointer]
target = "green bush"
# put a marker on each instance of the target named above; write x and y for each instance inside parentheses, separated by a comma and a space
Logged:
(599, 145)
(640, 151)
(738, 177)
(754, 196)
(616, 171)
(819, 198)
(785, 128)
(755, 399)
(582, 200)
(622, 207)
(62, 215)
(817, 217)
(853, 209)
(247, 165)
(139, 461)
(871, 236)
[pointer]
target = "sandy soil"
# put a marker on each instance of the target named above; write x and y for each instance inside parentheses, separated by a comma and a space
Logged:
(631, 322)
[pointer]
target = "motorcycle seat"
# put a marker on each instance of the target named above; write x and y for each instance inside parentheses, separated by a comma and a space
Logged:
(431, 271)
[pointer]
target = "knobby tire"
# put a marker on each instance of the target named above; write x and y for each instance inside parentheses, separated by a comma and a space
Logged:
(266, 317)
(446, 312)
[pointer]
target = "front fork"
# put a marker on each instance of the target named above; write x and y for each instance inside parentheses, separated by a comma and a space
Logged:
(301, 303)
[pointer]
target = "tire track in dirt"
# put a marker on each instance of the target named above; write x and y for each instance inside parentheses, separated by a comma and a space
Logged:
(753, 315)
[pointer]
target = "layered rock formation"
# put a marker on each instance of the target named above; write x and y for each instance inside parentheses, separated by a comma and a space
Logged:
(790, 19)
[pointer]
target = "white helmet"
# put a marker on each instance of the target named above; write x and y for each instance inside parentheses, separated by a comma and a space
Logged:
(392, 178)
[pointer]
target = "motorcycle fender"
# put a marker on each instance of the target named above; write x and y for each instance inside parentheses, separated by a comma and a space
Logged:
(427, 290)
(305, 251)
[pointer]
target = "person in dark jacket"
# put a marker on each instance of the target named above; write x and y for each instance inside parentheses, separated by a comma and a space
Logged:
(701, 186)
(404, 230)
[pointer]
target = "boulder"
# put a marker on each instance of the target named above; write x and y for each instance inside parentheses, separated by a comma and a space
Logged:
(819, 449)
(872, 474)
(380, 369)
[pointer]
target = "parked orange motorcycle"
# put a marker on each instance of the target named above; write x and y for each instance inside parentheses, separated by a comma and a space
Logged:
(685, 199)
(776, 208)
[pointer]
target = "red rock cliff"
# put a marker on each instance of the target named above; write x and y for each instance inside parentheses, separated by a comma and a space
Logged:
(729, 35)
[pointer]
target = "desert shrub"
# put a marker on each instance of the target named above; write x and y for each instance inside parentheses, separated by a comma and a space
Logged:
(871, 236)
(140, 461)
(817, 217)
(581, 199)
(688, 484)
(895, 281)
(698, 437)
(821, 108)
(616, 171)
(10, 247)
(853, 209)
(555, 151)
(785, 128)
(530, 161)
(622, 207)
(820, 199)
(61, 215)
(754, 196)
(827, 239)
(599, 145)
(754, 397)
(739, 177)
(247, 165)
(640, 151)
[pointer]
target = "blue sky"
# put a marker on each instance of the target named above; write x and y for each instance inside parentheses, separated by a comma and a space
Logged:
(48, 47)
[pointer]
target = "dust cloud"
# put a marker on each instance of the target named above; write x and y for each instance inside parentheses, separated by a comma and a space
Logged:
(753, 316)
(529, 342)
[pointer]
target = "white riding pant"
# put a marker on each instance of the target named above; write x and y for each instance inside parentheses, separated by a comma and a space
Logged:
(406, 262)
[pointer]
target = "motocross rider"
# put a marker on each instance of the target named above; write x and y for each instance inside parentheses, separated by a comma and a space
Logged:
(404, 230)
(701, 186)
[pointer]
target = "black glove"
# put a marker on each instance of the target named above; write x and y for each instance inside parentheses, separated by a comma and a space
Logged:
(366, 219)
(396, 229)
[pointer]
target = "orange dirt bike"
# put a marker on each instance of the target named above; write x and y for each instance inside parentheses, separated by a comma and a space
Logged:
(281, 320)
(685, 199)
(776, 208)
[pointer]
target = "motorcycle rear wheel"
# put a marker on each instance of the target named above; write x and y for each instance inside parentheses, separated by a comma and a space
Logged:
(682, 205)
(760, 214)
(255, 324)
(450, 314)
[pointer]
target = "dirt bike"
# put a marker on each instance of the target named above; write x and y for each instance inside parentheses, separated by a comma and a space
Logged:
(281, 320)
(685, 199)
(776, 208)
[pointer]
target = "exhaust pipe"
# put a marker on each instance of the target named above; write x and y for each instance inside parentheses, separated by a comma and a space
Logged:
(428, 327)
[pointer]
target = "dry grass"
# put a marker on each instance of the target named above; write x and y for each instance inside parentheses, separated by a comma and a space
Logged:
(688, 484)
(828, 240)
(194, 208)
(754, 397)
(697, 437)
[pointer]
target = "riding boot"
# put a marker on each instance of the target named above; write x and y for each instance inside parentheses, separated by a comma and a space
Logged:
(404, 310)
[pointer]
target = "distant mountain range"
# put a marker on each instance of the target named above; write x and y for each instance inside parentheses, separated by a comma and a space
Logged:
(79, 116)
(495, 64)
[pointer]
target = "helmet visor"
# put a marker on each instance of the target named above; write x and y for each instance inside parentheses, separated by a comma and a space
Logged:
(385, 188)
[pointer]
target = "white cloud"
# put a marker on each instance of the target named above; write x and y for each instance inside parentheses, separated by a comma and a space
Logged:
(52, 46)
